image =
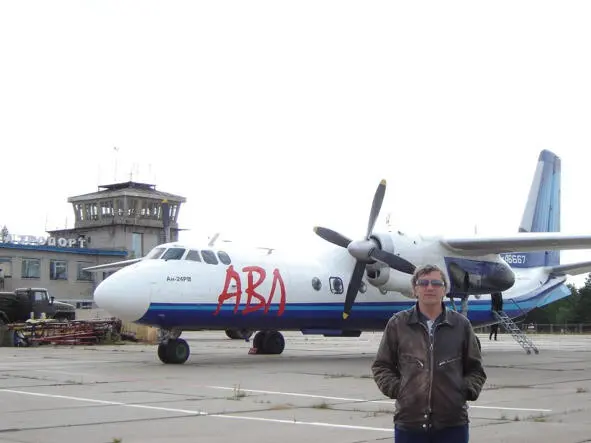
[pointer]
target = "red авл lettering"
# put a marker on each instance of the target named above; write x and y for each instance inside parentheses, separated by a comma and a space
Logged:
(251, 290)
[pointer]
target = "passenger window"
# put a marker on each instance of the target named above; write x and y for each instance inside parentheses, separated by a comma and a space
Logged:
(224, 257)
(209, 257)
(173, 254)
(336, 285)
(193, 255)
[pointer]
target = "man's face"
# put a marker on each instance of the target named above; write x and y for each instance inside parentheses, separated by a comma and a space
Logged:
(430, 288)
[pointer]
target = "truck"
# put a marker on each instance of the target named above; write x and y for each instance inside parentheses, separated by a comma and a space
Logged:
(24, 303)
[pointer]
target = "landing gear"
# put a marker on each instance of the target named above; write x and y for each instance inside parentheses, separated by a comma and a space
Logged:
(237, 334)
(172, 349)
(175, 351)
(268, 342)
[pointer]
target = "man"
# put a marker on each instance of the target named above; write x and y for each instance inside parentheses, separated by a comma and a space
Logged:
(429, 361)
(494, 330)
(496, 299)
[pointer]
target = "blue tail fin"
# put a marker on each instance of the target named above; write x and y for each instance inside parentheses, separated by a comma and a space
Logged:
(542, 211)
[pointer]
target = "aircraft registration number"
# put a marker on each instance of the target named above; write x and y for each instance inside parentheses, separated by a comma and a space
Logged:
(178, 278)
(514, 258)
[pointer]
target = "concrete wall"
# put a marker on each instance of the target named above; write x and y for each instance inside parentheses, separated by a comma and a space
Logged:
(122, 236)
(70, 289)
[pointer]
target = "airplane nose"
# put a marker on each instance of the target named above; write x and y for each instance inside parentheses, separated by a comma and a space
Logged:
(122, 296)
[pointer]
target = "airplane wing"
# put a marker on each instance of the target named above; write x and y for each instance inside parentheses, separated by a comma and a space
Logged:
(571, 268)
(522, 242)
(115, 266)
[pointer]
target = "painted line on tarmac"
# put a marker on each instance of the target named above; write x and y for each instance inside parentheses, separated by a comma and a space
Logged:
(361, 400)
(198, 413)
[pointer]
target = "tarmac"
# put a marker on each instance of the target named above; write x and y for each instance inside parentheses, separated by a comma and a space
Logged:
(319, 390)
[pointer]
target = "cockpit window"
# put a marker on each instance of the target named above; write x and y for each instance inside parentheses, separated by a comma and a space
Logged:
(209, 257)
(173, 254)
(155, 253)
(193, 255)
(224, 257)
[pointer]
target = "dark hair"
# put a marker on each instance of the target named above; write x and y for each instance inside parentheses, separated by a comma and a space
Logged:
(427, 269)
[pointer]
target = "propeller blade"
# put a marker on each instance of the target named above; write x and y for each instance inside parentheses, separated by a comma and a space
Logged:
(394, 261)
(353, 288)
(378, 199)
(332, 236)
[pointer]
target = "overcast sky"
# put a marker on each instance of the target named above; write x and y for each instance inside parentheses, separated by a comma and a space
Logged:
(271, 117)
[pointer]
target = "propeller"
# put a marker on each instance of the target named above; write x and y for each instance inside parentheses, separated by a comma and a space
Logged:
(365, 251)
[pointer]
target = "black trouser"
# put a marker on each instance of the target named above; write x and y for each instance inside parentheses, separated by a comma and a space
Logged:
(455, 434)
(494, 329)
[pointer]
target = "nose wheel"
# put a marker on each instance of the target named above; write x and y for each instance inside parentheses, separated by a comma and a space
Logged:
(174, 351)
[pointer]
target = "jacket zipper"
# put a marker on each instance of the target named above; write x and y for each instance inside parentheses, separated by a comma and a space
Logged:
(431, 366)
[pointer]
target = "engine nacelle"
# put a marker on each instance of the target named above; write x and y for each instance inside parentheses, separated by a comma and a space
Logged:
(385, 278)
(474, 277)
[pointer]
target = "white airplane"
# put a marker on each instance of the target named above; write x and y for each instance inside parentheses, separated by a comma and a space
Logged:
(355, 286)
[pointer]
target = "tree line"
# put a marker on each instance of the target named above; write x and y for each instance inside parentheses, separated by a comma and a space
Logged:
(575, 308)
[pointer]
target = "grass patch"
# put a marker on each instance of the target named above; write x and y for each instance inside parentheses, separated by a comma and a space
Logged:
(237, 393)
(322, 405)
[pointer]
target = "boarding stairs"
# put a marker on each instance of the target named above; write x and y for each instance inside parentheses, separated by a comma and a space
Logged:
(519, 336)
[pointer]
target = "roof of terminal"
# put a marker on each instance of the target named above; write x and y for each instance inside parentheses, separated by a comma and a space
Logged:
(130, 188)
(81, 251)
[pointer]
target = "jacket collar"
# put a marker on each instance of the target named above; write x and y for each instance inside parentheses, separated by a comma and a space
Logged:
(447, 316)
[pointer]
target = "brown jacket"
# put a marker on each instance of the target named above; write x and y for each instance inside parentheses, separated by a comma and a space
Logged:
(431, 377)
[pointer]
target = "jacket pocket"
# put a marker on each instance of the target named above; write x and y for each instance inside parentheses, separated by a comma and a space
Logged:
(448, 385)
(412, 371)
(448, 361)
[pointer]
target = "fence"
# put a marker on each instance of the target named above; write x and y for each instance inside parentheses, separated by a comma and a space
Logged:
(550, 328)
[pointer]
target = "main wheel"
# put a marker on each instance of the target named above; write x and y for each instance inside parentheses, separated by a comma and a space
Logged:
(274, 342)
(259, 341)
(236, 334)
(233, 334)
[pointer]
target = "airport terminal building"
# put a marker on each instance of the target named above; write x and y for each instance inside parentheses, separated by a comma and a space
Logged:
(118, 222)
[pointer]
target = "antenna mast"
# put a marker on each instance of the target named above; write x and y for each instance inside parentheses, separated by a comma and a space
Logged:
(116, 149)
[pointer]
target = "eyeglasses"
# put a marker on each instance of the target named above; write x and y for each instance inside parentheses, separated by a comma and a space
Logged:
(435, 283)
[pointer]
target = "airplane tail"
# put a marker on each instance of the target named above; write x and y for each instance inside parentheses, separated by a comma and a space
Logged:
(542, 212)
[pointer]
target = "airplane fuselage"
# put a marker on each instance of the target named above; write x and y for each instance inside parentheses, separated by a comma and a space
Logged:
(257, 291)
(354, 285)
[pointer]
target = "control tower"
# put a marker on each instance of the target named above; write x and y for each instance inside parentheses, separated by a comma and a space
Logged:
(127, 216)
